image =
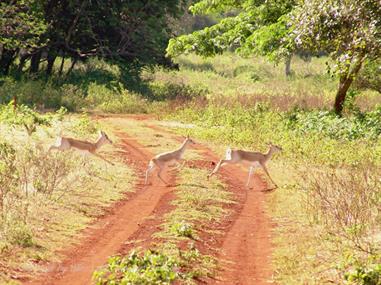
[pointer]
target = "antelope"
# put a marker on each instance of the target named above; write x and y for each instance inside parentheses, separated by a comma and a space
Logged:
(163, 159)
(254, 159)
(65, 143)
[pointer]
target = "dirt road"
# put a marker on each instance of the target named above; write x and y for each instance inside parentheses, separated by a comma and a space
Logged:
(245, 244)
(111, 232)
(245, 256)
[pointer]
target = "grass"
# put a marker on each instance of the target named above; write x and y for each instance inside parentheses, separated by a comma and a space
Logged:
(244, 103)
(232, 80)
(37, 223)
(319, 255)
(199, 205)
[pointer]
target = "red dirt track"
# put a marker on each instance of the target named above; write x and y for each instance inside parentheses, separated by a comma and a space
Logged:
(245, 244)
(245, 257)
(112, 231)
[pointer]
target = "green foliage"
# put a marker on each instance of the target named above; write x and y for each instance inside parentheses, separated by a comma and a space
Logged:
(358, 126)
(27, 117)
(365, 276)
(259, 27)
(19, 234)
(370, 76)
(132, 34)
(182, 229)
(42, 94)
(8, 170)
(112, 101)
(21, 24)
(148, 267)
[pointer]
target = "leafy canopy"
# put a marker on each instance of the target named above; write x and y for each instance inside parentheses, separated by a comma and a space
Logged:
(21, 24)
(258, 26)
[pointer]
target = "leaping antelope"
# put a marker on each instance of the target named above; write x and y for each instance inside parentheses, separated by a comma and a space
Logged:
(164, 159)
(65, 143)
(254, 159)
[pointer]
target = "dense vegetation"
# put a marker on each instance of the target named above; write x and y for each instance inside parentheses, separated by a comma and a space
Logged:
(132, 34)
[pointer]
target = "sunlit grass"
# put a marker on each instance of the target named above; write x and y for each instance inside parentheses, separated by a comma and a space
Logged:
(54, 220)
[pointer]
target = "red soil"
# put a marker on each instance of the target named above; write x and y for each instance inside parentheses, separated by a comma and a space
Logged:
(243, 248)
(110, 233)
(245, 255)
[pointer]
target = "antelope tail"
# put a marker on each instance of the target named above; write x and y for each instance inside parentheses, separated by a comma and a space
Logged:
(228, 154)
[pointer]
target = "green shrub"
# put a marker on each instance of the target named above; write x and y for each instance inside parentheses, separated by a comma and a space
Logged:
(125, 103)
(19, 234)
(27, 117)
(73, 97)
(370, 76)
(182, 229)
(84, 125)
(365, 276)
(149, 267)
(357, 126)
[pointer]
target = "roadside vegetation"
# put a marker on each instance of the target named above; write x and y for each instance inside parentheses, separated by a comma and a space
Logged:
(46, 198)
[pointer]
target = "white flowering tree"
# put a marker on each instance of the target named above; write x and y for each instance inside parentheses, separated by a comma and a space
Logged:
(350, 30)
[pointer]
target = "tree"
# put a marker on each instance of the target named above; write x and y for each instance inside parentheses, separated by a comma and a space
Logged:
(257, 27)
(132, 33)
(21, 26)
(350, 30)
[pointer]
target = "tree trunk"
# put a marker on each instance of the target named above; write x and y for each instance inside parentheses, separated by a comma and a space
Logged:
(288, 66)
(71, 67)
(62, 64)
(344, 85)
(49, 67)
(15, 103)
(345, 82)
(6, 60)
(23, 59)
(35, 62)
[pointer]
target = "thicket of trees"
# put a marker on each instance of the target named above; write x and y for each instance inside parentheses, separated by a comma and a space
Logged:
(132, 33)
(349, 31)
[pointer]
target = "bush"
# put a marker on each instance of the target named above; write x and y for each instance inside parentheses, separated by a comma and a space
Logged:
(370, 76)
(73, 97)
(24, 116)
(19, 234)
(365, 276)
(345, 202)
(182, 229)
(358, 126)
(146, 268)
